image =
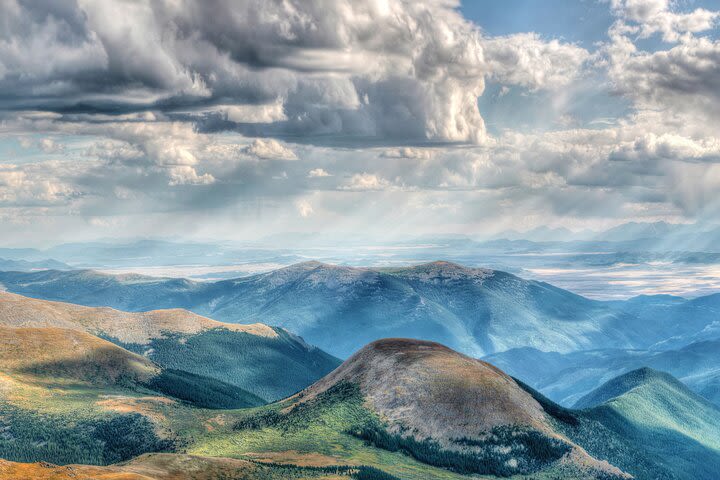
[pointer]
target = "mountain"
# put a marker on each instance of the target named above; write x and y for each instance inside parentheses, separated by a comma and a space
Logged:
(67, 396)
(269, 362)
(477, 311)
(421, 400)
(397, 409)
(654, 410)
(49, 355)
(566, 377)
(28, 266)
(426, 403)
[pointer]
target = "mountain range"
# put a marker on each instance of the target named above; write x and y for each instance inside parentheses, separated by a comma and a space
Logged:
(339, 309)
(101, 392)
(396, 409)
(565, 377)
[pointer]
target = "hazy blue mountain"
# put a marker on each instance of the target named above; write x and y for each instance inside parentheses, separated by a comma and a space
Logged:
(28, 266)
(565, 378)
(339, 309)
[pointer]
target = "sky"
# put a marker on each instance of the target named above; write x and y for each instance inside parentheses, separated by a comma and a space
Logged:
(237, 119)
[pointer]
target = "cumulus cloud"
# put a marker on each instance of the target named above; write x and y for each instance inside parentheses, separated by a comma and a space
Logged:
(35, 185)
(365, 182)
(684, 78)
(206, 118)
(304, 67)
(681, 79)
(407, 152)
(669, 146)
(185, 175)
(529, 61)
(318, 173)
(649, 17)
(270, 149)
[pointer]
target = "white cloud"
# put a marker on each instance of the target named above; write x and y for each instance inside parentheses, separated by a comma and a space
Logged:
(304, 208)
(656, 16)
(366, 182)
(318, 173)
(185, 175)
(407, 152)
(331, 73)
(270, 149)
(266, 113)
(527, 60)
(685, 78)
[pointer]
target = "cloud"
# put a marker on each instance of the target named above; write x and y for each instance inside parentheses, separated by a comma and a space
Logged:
(185, 175)
(366, 182)
(669, 146)
(268, 113)
(383, 69)
(656, 16)
(685, 78)
(318, 173)
(529, 61)
(269, 149)
(36, 185)
(164, 113)
(304, 208)
(407, 152)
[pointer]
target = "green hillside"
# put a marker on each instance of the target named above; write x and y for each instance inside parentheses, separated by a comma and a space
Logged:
(69, 397)
(268, 362)
(653, 410)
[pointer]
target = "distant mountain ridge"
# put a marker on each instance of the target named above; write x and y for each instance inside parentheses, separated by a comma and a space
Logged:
(476, 311)
(29, 266)
(567, 377)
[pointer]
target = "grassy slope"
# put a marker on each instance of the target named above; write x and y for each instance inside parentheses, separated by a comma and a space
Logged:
(268, 362)
(270, 367)
(661, 414)
(66, 396)
(648, 424)
(177, 467)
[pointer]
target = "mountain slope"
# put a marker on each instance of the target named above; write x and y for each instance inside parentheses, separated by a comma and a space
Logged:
(567, 377)
(410, 409)
(657, 412)
(266, 361)
(422, 401)
(49, 356)
(166, 466)
(340, 309)
(67, 397)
